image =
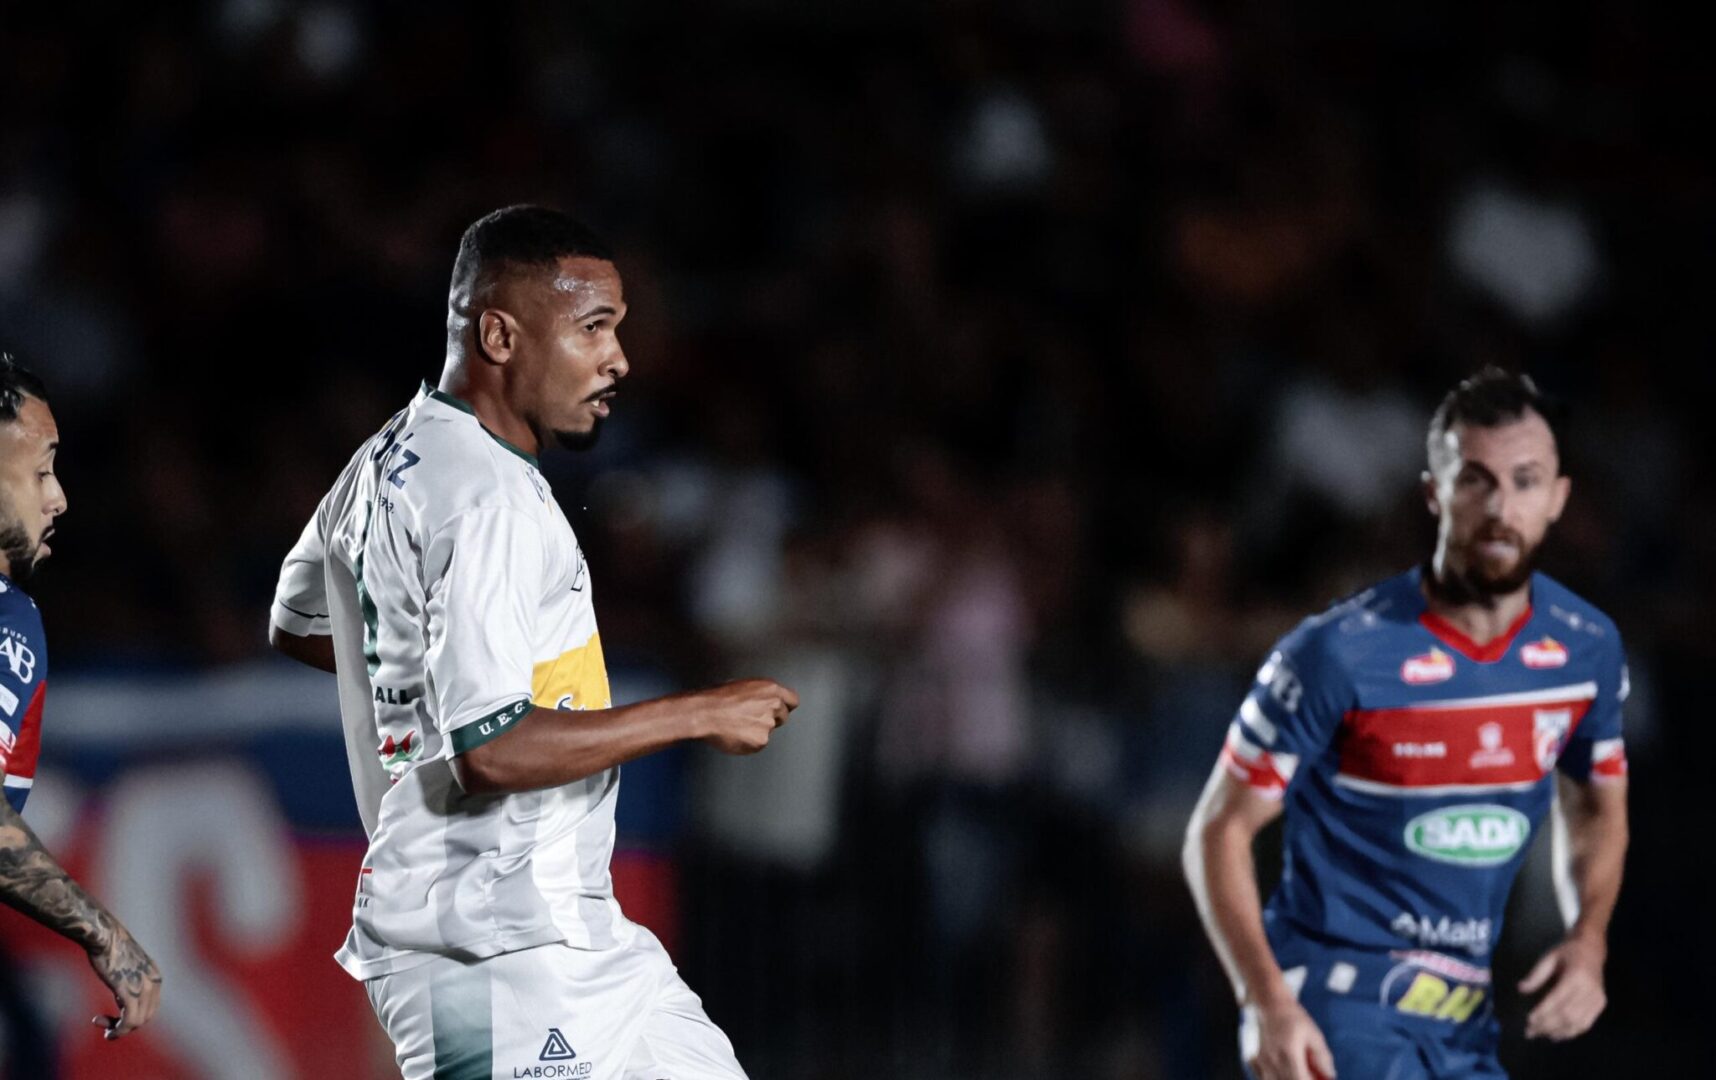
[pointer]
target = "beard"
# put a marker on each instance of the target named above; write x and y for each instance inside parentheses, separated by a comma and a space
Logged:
(1475, 582)
(579, 440)
(19, 549)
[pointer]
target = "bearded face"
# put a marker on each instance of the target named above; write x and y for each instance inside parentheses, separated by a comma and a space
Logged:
(30, 493)
(1495, 492)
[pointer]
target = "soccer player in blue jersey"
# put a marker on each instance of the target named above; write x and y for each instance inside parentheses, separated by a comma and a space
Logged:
(1409, 735)
(30, 880)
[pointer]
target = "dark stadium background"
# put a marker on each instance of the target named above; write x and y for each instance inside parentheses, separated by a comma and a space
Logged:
(1005, 375)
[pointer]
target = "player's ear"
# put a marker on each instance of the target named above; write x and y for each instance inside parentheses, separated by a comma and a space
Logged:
(497, 334)
(1563, 487)
(1431, 501)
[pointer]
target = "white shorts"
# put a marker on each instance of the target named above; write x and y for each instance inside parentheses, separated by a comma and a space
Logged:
(552, 1013)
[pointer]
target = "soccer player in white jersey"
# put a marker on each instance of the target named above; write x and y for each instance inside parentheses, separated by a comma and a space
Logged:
(441, 582)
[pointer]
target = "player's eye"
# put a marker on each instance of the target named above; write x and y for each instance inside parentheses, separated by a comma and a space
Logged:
(590, 327)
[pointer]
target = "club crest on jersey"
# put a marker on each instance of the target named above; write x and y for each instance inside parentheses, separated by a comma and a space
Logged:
(398, 753)
(1432, 667)
(1492, 754)
(1543, 655)
(1549, 735)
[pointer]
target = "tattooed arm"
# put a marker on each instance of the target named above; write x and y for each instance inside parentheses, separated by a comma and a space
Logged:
(33, 883)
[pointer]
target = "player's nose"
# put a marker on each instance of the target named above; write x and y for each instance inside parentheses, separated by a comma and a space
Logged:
(618, 366)
(1496, 504)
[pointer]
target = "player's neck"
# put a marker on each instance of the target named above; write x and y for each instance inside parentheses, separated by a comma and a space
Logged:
(1482, 619)
(491, 409)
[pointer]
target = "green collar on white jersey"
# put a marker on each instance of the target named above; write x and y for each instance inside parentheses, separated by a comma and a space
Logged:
(465, 407)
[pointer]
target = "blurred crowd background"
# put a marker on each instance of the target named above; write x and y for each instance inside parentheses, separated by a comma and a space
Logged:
(1006, 376)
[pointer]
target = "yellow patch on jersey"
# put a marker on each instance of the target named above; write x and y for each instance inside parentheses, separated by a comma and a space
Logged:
(576, 679)
(1430, 996)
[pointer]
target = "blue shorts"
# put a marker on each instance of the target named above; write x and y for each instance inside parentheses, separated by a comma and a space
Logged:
(1406, 1015)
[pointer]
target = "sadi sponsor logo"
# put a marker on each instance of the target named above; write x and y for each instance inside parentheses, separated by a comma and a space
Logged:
(1432, 667)
(1479, 835)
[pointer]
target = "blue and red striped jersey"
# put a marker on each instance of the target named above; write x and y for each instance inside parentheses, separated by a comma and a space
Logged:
(23, 686)
(1416, 765)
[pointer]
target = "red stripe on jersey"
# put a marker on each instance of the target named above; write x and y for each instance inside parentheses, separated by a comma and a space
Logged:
(1476, 745)
(1259, 775)
(1455, 638)
(21, 761)
(1609, 760)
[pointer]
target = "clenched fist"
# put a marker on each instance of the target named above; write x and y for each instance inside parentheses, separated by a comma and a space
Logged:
(738, 717)
(131, 975)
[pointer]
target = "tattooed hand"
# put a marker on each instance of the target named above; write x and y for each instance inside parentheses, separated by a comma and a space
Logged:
(32, 882)
(133, 978)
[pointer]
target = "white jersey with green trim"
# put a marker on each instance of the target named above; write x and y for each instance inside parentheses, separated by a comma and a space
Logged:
(457, 597)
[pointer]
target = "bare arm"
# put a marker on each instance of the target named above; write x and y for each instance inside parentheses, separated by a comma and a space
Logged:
(1590, 850)
(34, 884)
(548, 747)
(316, 650)
(1223, 878)
(1594, 819)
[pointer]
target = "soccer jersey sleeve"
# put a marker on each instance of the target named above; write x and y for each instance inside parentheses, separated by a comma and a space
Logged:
(23, 688)
(1596, 749)
(483, 577)
(1291, 713)
(301, 597)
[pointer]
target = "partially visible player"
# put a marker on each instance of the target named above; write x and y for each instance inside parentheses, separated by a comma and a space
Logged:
(443, 584)
(1411, 735)
(30, 880)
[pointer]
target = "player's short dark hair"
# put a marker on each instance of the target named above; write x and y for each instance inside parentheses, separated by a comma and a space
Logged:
(1491, 398)
(522, 236)
(16, 383)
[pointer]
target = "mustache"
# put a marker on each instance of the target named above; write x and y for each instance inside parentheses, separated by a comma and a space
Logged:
(1498, 532)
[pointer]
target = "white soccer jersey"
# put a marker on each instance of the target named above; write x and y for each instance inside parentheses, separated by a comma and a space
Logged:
(457, 597)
